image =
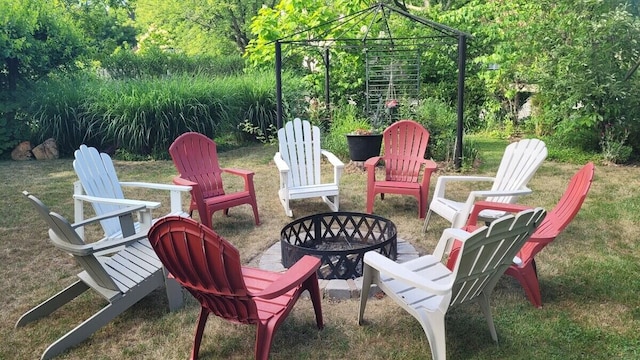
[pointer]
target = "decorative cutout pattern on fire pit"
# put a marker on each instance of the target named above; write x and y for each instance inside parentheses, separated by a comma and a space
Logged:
(340, 240)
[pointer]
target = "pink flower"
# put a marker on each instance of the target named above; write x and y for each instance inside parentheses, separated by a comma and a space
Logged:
(391, 103)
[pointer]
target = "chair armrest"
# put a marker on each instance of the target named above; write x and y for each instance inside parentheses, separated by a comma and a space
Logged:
(117, 213)
(442, 181)
(446, 241)
(338, 165)
(332, 158)
(98, 247)
(463, 215)
(124, 202)
(291, 278)
(403, 273)
(156, 186)
(429, 167)
(175, 196)
(239, 172)
(280, 163)
(372, 162)
(486, 205)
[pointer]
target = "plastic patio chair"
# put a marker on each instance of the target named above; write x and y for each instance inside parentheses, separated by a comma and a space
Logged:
(209, 267)
(524, 267)
(195, 156)
(426, 288)
(519, 163)
(405, 144)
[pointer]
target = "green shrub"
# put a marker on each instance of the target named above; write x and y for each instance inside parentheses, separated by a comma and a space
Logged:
(345, 120)
(441, 121)
(125, 64)
(143, 116)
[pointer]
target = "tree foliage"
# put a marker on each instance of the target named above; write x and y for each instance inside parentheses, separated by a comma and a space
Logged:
(199, 26)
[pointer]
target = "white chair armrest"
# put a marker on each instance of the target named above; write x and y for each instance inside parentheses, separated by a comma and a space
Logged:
(332, 158)
(338, 165)
(441, 183)
(109, 215)
(175, 196)
(169, 187)
(280, 163)
(125, 202)
(402, 273)
(446, 241)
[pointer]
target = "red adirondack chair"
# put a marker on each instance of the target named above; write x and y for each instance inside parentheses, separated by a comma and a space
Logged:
(405, 143)
(196, 158)
(209, 267)
(524, 267)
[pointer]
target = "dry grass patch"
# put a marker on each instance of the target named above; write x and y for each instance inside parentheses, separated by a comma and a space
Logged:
(589, 276)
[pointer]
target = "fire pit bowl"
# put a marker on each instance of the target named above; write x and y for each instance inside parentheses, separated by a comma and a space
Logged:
(339, 240)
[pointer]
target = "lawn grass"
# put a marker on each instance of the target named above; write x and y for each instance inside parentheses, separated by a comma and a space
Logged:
(589, 276)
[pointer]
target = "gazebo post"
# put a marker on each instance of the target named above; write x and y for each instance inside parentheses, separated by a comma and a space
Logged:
(462, 59)
(279, 83)
(327, 66)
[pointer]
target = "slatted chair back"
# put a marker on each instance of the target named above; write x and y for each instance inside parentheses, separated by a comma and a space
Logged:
(299, 146)
(98, 178)
(569, 204)
(489, 252)
(519, 163)
(405, 145)
(207, 265)
(196, 159)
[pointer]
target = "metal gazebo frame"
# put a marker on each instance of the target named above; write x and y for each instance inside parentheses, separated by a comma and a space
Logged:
(378, 12)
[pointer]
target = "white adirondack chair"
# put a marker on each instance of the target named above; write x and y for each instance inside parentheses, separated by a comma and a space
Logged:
(122, 279)
(519, 163)
(298, 161)
(99, 185)
(426, 288)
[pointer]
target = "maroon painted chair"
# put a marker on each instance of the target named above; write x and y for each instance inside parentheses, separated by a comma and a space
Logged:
(196, 159)
(405, 144)
(524, 267)
(209, 267)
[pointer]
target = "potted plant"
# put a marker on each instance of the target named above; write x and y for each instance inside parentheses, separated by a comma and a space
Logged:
(366, 142)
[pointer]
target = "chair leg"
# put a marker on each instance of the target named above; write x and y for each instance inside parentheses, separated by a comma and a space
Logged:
(528, 279)
(332, 202)
(285, 204)
(174, 292)
(254, 206)
(264, 338)
(426, 221)
(434, 328)
(311, 285)
(483, 299)
(92, 324)
(202, 321)
(367, 279)
(53, 303)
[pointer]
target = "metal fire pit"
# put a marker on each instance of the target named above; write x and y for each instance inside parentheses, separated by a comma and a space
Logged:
(340, 240)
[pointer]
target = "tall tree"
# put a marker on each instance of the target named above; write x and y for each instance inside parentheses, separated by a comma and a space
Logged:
(199, 26)
(36, 38)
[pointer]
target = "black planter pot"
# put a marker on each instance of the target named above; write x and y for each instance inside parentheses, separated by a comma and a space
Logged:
(362, 147)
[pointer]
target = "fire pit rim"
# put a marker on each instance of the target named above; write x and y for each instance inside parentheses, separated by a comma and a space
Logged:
(389, 229)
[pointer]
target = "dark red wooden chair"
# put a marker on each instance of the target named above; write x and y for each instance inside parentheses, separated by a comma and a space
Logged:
(196, 158)
(405, 144)
(524, 267)
(209, 267)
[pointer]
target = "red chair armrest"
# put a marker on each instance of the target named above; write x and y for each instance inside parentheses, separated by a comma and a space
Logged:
(293, 277)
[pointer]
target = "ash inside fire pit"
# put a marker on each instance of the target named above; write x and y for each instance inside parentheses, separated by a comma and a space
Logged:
(340, 240)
